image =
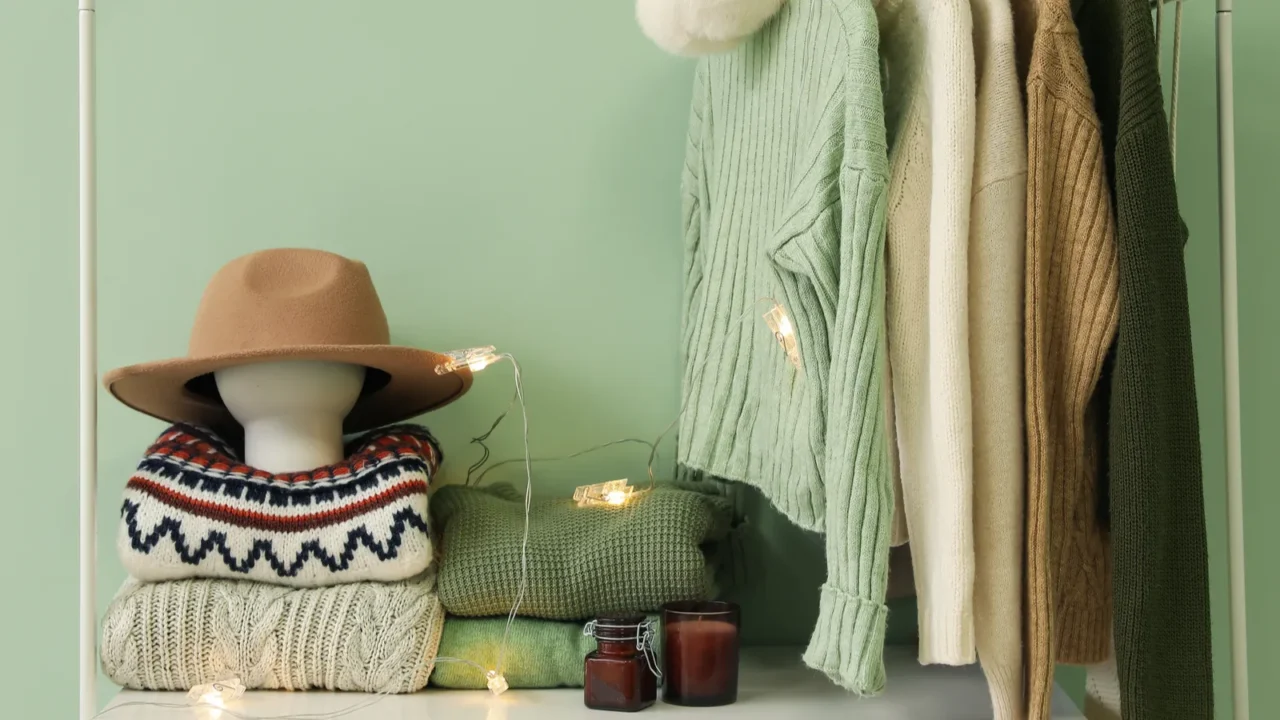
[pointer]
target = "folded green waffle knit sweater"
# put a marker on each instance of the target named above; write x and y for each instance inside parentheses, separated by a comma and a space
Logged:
(582, 561)
(363, 636)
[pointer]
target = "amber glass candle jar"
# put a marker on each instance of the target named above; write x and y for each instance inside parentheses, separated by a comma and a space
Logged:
(700, 653)
(620, 672)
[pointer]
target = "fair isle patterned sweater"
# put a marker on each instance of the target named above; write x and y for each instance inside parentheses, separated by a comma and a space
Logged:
(193, 510)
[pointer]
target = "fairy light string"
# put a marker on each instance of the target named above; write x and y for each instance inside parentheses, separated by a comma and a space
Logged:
(215, 696)
(214, 702)
(477, 359)
(779, 323)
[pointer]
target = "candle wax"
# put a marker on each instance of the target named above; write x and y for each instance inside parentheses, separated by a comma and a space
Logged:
(702, 662)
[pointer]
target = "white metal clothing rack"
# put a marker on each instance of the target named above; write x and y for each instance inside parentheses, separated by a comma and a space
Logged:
(89, 360)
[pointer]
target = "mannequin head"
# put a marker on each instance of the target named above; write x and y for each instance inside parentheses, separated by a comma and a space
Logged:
(292, 410)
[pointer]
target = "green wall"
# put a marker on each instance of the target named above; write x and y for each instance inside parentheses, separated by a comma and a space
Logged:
(507, 170)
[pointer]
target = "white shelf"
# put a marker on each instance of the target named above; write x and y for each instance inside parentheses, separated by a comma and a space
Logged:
(774, 685)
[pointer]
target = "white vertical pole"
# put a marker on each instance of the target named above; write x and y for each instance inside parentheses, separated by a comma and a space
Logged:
(1231, 361)
(88, 368)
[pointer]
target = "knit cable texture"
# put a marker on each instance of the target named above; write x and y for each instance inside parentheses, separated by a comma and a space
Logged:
(364, 637)
(930, 100)
(784, 197)
(582, 561)
(997, 247)
(1163, 640)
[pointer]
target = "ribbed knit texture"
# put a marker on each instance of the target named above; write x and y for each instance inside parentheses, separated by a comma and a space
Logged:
(540, 653)
(930, 105)
(1162, 631)
(365, 636)
(784, 187)
(583, 561)
(997, 248)
(1070, 320)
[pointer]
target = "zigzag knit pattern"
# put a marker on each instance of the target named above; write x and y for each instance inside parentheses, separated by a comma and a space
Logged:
(192, 509)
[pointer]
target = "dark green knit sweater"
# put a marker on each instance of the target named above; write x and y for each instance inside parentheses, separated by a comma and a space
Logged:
(1156, 502)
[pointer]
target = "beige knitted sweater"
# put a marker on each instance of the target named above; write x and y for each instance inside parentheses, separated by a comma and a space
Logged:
(997, 244)
(1071, 316)
(362, 636)
(927, 48)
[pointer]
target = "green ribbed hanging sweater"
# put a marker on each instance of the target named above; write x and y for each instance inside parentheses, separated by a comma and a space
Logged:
(1160, 586)
(784, 196)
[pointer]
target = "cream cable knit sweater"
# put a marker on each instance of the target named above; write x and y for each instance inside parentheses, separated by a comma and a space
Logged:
(930, 104)
(362, 636)
(997, 245)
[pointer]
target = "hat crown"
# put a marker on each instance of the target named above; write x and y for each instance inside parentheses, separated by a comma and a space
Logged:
(288, 298)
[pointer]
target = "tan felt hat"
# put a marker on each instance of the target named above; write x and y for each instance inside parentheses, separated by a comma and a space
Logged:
(290, 304)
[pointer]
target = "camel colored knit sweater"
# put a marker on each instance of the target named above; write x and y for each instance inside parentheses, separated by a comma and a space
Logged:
(784, 183)
(1162, 630)
(997, 246)
(928, 50)
(1071, 316)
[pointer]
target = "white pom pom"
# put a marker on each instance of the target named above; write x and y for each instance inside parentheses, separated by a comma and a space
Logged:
(701, 27)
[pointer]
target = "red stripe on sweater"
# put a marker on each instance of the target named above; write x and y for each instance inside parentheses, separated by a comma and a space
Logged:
(279, 523)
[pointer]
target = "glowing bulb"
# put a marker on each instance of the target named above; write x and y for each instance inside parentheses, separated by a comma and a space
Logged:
(475, 359)
(614, 492)
(496, 682)
(780, 323)
(216, 695)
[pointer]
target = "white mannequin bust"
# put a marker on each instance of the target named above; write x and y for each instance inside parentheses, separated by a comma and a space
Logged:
(292, 410)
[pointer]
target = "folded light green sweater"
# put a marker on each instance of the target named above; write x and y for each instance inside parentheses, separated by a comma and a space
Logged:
(540, 653)
(581, 561)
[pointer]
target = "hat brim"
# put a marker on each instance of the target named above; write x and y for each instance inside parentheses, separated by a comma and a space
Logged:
(162, 389)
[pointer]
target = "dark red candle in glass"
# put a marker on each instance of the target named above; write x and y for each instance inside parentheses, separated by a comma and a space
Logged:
(700, 653)
(618, 674)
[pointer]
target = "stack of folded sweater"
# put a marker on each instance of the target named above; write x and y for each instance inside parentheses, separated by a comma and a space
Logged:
(581, 562)
(315, 580)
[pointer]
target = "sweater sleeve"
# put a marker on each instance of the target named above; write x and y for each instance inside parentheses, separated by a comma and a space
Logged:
(997, 243)
(848, 641)
(946, 604)
(931, 54)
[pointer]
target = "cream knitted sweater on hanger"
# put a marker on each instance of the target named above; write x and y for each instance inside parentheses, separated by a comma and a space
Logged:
(997, 253)
(927, 46)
